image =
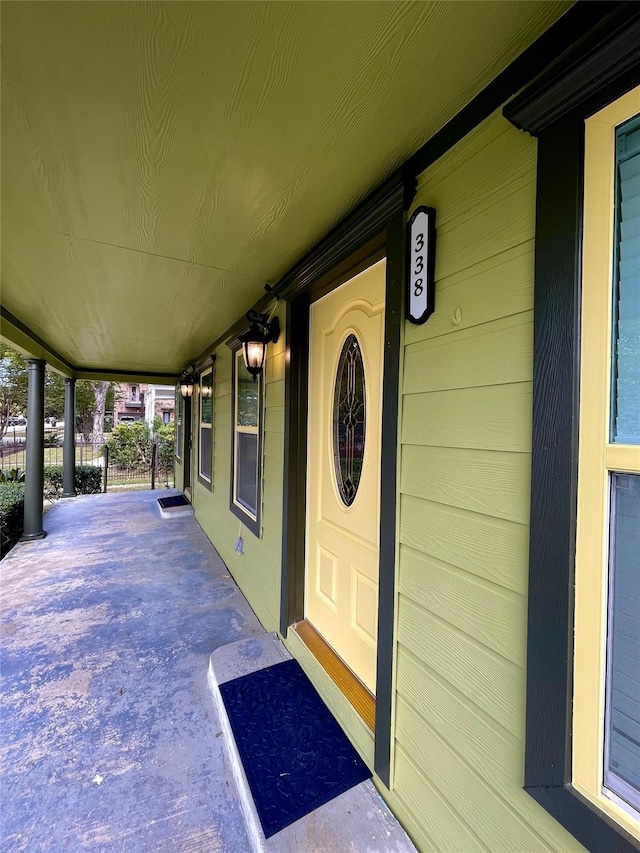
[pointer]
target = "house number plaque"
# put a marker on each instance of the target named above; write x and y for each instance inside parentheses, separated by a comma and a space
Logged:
(421, 265)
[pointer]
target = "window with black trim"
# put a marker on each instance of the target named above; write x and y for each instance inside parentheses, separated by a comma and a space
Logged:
(205, 427)
(580, 519)
(247, 445)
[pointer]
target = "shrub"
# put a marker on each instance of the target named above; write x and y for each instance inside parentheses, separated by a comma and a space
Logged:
(87, 480)
(130, 445)
(12, 475)
(166, 435)
(11, 515)
(52, 439)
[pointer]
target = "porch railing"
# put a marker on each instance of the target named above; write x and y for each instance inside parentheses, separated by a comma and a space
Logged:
(148, 470)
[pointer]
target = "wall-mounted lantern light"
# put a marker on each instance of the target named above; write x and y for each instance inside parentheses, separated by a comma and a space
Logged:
(263, 331)
(186, 386)
(187, 381)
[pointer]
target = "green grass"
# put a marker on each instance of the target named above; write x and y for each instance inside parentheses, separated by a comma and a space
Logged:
(52, 456)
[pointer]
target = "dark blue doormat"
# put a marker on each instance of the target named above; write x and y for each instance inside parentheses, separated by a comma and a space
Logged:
(295, 755)
(174, 500)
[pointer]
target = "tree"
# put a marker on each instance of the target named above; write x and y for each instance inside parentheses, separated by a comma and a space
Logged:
(130, 445)
(100, 395)
(166, 438)
(53, 394)
(13, 386)
(92, 400)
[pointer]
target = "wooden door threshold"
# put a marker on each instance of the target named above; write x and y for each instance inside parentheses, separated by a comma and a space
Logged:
(362, 699)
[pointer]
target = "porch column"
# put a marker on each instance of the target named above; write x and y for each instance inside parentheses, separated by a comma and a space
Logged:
(34, 479)
(69, 450)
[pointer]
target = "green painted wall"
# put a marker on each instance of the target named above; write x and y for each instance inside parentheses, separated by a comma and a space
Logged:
(257, 571)
(179, 474)
(460, 649)
(461, 611)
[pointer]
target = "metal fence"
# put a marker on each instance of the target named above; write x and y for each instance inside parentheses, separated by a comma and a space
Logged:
(151, 468)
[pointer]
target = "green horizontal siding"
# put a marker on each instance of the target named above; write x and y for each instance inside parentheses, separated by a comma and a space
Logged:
(463, 520)
(257, 571)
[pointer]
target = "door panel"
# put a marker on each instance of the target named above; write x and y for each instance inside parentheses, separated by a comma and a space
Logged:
(341, 579)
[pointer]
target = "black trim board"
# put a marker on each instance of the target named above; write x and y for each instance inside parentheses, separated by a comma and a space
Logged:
(602, 65)
(295, 462)
(578, 20)
(394, 323)
(203, 363)
(554, 462)
(594, 829)
(365, 222)
(187, 443)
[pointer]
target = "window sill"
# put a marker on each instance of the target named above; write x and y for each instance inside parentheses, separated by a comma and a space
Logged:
(589, 824)
(252, 524)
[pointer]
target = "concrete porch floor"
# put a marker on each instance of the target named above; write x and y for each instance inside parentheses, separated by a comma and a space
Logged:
(109, 737)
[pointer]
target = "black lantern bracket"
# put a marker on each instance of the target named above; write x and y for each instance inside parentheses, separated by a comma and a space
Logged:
(268, 327)
(264, 330)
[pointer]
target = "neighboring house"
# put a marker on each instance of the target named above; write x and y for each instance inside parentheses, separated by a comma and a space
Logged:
(160, 401)
(441, 520)
(129, 403)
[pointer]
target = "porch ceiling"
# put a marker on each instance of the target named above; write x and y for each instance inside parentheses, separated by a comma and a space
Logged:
(162, 161)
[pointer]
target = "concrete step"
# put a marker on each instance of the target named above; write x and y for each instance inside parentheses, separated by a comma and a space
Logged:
(358, 821)
(174, 511)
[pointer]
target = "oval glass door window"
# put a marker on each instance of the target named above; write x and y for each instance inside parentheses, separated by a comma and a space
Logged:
(349, 410)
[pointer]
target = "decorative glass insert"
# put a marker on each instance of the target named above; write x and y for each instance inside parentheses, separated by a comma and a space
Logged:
(206, 398)
(349, 414)
(248, 397)
(622, 727)
(625, 398)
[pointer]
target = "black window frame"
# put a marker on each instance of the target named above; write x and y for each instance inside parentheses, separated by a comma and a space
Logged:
(251, 523)
(203, 369)
(601, 67)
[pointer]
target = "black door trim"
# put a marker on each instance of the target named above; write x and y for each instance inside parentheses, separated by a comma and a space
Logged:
(355, 248)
